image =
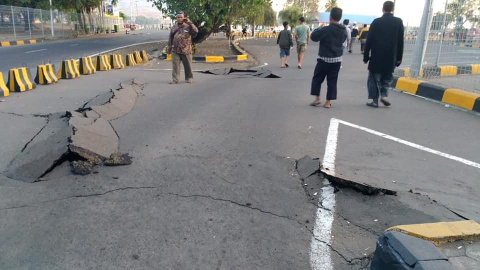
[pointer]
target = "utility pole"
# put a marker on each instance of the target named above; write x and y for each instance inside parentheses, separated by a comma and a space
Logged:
(51, 20)
(443, 33)
(422, 40)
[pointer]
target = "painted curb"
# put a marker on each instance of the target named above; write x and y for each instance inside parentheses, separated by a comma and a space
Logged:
(212, 59)
(444, 71)
(456, 97)
(442, 232)
(18, 42)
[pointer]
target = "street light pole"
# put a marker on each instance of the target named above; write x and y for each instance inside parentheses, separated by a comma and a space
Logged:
(51, 19)
(443, 32)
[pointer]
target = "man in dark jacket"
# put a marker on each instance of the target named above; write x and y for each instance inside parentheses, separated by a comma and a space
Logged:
(385, 41)
(329, 60)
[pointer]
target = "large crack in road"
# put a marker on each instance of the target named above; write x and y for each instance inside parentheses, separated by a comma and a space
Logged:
(85, 135)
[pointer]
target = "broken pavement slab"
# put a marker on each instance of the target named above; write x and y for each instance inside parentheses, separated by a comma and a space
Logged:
(82, 135)
(45, 150)
(441, 232)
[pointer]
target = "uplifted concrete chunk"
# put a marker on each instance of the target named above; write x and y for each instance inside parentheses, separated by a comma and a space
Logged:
(94, 142)
(48, 148)
(307, 166)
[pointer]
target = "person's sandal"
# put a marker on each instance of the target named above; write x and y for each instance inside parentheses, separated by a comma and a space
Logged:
(328, 106)
(286, 65)
(173, 82)
(189, 81)
(315, 104)
(299, 67)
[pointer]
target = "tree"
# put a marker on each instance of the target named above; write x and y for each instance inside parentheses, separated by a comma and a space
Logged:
(307, 6)
(123, 16)
(209, 15)
(462, 11)
(330, 5)
(269, 17)
(291, 15)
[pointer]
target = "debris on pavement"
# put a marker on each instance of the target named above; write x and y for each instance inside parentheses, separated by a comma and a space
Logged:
(81, 167)
(118, 159)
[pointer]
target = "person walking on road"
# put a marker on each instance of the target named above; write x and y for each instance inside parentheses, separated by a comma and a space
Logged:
(285, 42)
(302, 35)
(180, 46)
(331, 38)
(346, 45)
(362, 36)
(384, 50)
(354, 35)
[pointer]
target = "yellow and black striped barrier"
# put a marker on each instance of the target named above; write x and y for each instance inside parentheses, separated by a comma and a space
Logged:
(145, 56)
(456, 97)
(116, 61)
(101, 63)
(130, 60)
(18, 42)
(214, 59)
(86, 66)
(46, 74)
(68, 70)
(4, 92)
(138, 57)
(444, 71)
(19, 80)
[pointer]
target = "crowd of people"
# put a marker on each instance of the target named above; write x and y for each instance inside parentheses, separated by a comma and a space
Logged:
(381, 46)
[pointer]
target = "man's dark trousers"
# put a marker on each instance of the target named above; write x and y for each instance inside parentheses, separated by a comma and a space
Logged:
(329, 70)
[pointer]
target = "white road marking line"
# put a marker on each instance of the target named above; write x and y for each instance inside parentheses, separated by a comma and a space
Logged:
(73, 45)
(36, 51)
(320, 258)
(414, 145)
(319, 250)
(123, 47)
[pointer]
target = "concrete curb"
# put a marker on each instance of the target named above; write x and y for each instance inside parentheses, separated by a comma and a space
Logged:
(212, 59)
(443, 71)
(456, 97)
(442, 232)
(18, 42)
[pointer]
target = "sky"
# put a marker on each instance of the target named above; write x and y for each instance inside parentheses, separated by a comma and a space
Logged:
(409, 10)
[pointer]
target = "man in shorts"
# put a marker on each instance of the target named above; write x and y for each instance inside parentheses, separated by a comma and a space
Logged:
(302, 34)
(285, 42)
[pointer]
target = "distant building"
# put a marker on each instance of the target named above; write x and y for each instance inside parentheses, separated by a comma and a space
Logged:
(324, 17)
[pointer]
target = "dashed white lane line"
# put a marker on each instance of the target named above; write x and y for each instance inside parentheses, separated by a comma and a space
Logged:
(36, 51)
(74, 45)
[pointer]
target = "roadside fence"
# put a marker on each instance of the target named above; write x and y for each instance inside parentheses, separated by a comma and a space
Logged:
(445, 47)
(17, 23)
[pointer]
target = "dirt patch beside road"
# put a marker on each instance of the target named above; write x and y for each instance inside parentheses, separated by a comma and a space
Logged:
(215, 47)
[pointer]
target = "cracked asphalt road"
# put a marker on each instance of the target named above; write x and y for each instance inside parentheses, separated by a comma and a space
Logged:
(214, 181)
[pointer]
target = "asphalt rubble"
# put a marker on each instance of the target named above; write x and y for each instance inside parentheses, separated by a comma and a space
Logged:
(84, 137)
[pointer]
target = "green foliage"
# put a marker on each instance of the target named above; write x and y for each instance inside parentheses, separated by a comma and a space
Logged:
(270, 16)
(209, 15)
(291, 14)
(307, 6)
(123, 16)
(461, 11)
(330, 5)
